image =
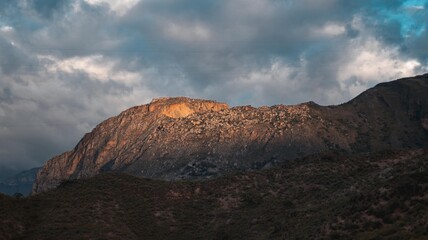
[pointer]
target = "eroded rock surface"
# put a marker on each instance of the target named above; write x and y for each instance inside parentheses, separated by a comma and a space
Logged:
(181, 138)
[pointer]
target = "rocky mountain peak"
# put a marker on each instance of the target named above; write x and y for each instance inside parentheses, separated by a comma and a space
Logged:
(181, 138)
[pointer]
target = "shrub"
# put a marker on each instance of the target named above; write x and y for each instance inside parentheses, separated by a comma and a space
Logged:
(18, 195)
(251, 199)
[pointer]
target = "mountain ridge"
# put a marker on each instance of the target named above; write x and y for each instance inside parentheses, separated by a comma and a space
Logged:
(183, 138)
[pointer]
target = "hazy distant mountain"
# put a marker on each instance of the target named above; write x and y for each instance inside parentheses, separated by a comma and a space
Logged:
(20, 183)
(182, 138)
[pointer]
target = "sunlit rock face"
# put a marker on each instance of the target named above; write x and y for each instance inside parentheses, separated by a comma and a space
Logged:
(183, 138)
(182, 107)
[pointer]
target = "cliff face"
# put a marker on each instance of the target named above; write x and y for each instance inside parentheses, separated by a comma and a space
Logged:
(180, 138)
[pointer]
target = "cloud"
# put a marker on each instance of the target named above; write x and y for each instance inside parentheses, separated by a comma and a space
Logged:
(49, 109)
(119, 7)
(95, 67)
(185, 31)
(370, 60)
(330, 30)
(67, 65)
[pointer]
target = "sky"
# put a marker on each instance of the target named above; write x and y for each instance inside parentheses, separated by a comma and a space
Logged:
(67, 65)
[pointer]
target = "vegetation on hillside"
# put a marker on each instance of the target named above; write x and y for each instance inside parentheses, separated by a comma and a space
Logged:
(327, 196)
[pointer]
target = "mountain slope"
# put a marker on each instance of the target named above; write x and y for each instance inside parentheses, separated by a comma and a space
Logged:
(181, 138)
(328, 196)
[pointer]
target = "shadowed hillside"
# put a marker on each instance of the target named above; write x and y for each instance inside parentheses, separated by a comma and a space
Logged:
(317, 197)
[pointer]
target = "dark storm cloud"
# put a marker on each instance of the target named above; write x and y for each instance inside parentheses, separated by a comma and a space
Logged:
(241, 35)
(47, 8)
(11, 59)
(417, 44)
(245, 34)
(67, 65)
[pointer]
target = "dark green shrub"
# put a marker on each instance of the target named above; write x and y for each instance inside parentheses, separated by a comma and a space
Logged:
(18, 195)
(251, 199)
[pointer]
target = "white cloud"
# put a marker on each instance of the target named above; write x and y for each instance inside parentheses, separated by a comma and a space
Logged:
(6, 29)
(370, 61)
(186, 31)
(96, 67)
(415, 8)
(330, 30)
(120, 7)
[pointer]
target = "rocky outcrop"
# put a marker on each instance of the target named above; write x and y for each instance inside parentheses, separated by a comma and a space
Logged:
(182, 107)
(181, 138)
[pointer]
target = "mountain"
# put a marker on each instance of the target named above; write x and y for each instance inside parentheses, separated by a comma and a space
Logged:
(182, 138)
(20, 183)
(322, 196)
